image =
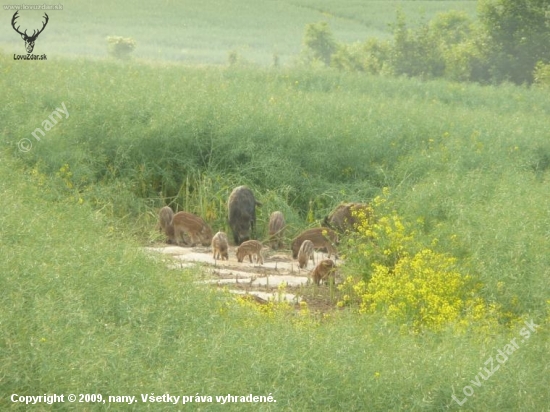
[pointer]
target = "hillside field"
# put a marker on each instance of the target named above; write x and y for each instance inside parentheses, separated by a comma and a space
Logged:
(204, 32)
(445, 303)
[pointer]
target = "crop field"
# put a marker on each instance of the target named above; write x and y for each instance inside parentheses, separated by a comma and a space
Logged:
(443, 301)
(200, 32)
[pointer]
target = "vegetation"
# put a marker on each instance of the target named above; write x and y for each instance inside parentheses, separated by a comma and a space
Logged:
(542, 75)
(519, 33)
(508, 43)
(120, 47)
(451, 268)
(195, 32)
(410, 280)
(85, 311)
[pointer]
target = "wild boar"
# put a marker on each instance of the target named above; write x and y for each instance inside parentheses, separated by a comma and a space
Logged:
(321, 237)
(276, 230)
(192, 225)
(242, 213)
(165, 219)
(249, 248)
(220, 246)
(323, 271)
(306, 253)
(344, 218)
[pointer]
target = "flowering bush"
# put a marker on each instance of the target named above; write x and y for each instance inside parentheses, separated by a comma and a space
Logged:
(381, 237)
(407, 280)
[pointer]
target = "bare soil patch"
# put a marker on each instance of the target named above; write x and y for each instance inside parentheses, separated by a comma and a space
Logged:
(279, 278)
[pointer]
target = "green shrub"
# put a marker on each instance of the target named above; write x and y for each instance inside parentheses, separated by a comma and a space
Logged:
(415, 52)
(319, 40)
(541, 76)
(519, 34)
(461, 43)
(396, 270)
(507, 43)
(120, 47)
(370, 56)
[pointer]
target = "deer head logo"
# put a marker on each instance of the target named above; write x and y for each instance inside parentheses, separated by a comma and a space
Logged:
(29, 40)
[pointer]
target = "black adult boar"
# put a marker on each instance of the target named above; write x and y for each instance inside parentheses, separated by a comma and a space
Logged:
(242, 213)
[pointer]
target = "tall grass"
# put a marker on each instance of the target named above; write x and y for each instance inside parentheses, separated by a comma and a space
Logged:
(159, 132)
(85, 311)
(471, 161)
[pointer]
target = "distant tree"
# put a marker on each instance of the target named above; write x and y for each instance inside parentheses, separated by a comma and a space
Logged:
(415, 52)
(461, 42)
(319, 40)
(519, 37)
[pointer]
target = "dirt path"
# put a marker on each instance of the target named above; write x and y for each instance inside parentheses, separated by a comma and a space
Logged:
(261, 281)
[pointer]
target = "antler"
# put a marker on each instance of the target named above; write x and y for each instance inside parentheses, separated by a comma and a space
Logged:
(15, 16)
(34, 33)
(34, 36)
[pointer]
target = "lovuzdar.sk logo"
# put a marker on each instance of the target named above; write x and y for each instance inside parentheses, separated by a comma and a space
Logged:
(29, 40)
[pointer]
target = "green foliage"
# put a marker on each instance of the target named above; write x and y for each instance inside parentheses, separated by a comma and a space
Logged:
(452, 27)
(303, 140)
(83, 310)
(466, 61)
(415, 52)
(319, 40)
(121, 47)
(541, 76)
(448, 46)
(408, 279)
(505, 45)
(235, 58)
(519, 32)
(461, 44)
(91, 313)
(195, 33)
(371, 56)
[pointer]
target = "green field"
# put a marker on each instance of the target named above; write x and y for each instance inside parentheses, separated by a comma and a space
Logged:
(206, 31)
(463, 168)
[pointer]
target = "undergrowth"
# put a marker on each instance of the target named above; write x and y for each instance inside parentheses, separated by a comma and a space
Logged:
(84, 311)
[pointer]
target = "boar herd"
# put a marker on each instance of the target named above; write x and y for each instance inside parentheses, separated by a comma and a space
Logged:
(184, 228)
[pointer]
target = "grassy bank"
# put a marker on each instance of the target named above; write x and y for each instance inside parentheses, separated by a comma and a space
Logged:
(84, 311)
(470, 161)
